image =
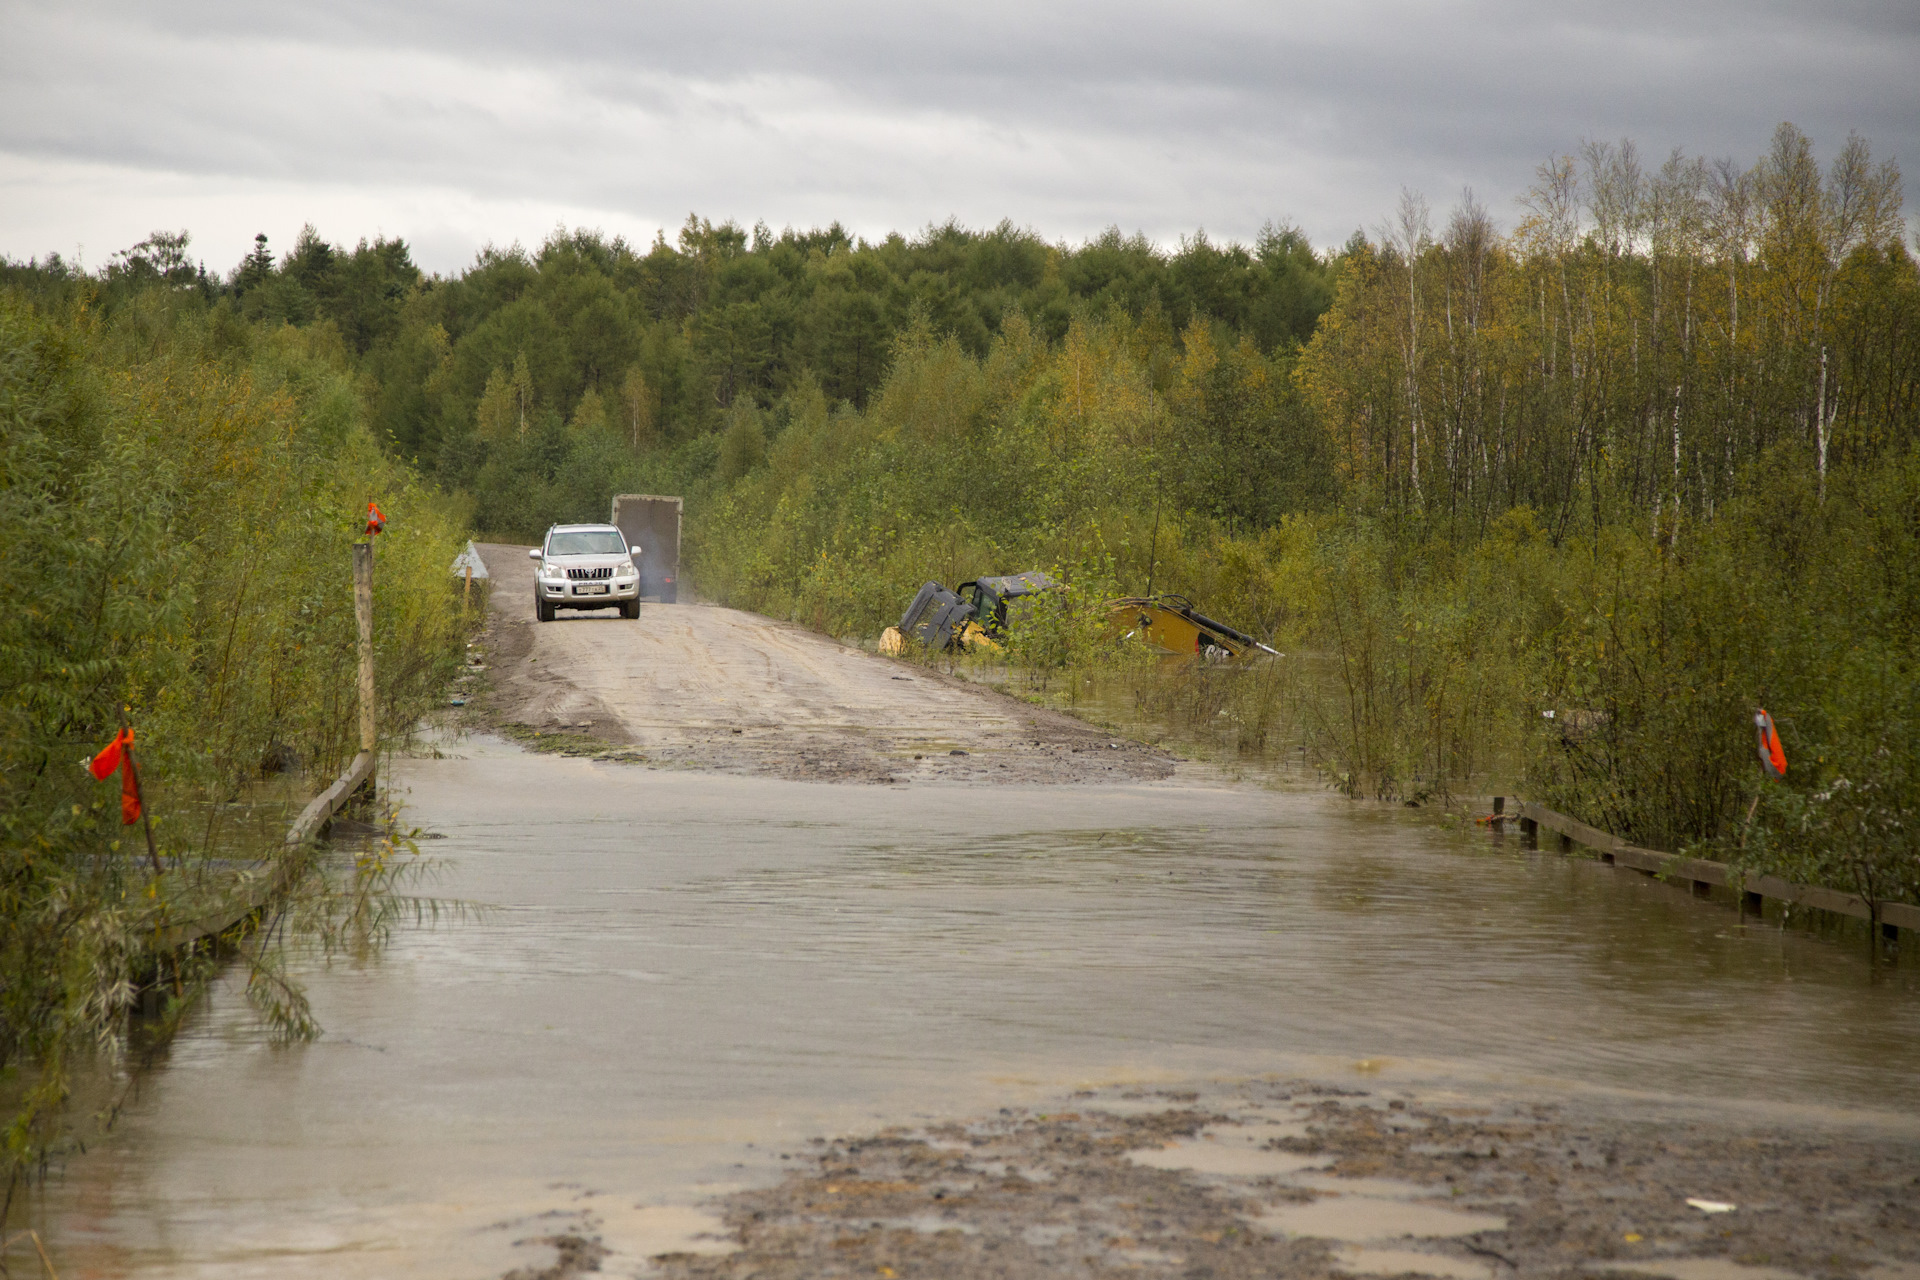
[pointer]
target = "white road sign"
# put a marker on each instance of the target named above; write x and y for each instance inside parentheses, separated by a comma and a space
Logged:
(470, 559)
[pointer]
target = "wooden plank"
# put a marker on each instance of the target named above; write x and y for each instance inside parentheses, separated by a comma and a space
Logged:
(1701, 871)
(1639, 859)
(328, 802)
(1592, 837)
(1807, 895)
(1676, 866)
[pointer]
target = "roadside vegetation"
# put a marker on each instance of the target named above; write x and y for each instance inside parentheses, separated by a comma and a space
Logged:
(178, 491)
(1641, 455)
(1551, 511)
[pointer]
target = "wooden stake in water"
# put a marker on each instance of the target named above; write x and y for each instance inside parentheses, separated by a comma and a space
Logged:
(363, 615)
(139, 797)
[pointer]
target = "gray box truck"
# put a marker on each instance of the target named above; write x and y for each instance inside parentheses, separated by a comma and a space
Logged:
(653, 523)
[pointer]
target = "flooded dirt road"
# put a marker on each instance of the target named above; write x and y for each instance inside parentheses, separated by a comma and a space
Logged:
(681, 978)
(704, 687)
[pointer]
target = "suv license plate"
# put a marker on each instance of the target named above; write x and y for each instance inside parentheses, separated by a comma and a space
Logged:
(591, 589)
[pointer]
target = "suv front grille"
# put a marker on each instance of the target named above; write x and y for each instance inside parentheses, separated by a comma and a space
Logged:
(588, 575)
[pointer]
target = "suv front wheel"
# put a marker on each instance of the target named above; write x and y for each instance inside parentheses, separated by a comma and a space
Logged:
(542, 610)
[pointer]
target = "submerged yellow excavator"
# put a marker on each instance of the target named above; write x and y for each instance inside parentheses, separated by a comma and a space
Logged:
(977, 616)
(1171, 624)
(974, 617)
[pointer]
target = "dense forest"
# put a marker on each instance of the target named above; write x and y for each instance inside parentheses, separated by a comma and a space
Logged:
(1550, 508)
(532, 381)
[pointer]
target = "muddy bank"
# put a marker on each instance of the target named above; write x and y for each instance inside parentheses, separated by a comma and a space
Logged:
(1298, 1179)
(695, 686)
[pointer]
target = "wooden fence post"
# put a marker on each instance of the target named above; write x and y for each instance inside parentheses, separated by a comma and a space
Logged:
(139, 796)
(363, 615)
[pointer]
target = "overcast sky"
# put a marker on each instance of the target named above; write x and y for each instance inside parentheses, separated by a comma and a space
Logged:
(456, 125)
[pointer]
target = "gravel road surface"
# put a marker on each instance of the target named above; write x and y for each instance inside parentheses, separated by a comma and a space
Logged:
(704, 687)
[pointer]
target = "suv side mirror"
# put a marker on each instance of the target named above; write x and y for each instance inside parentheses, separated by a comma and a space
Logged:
(633, 553)
(533, 553)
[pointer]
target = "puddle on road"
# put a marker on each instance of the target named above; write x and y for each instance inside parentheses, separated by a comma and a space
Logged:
(1699, 1269)
(1379, 1188)
(1367, 1219)
(1232, 1153)
(632, 1234)
(1361, 1261)
(1353, 1211)
(684, 975)
(1135, 1104)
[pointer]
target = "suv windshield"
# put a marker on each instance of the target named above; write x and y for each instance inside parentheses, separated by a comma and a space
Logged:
(589, 542)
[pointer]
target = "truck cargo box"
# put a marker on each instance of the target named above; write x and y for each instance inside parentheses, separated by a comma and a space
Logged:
(653, 523)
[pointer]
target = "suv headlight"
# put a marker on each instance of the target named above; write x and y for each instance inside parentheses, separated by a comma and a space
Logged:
(550, 570)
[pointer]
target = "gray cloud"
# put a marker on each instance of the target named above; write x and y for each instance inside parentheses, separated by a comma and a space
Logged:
(456, 124)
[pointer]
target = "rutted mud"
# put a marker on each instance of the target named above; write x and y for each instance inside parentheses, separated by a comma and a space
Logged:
(702, 687)
(1395, 1186)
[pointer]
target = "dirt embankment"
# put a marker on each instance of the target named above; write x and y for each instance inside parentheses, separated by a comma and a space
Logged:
(1308, 1181)
(702, 687)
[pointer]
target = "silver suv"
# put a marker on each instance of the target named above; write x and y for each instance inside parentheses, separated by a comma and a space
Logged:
(585, 566)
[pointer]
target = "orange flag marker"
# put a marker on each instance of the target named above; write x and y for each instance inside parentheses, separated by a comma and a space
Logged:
(117, 755)
(375, 521)
(1773, 756)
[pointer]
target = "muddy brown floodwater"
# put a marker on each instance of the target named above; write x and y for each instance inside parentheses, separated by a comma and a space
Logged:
(728, 1023)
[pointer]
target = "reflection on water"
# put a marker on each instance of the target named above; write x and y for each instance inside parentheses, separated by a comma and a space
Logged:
(685, 975)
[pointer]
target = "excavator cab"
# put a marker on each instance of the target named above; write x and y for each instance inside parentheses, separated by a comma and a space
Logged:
(975, 617)
(991, 598)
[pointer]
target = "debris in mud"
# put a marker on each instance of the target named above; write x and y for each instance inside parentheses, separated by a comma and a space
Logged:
(1712, 1206)
(557, 741)
(1301, 1180)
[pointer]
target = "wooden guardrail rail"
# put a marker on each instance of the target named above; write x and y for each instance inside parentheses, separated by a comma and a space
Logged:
(1702, 874)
